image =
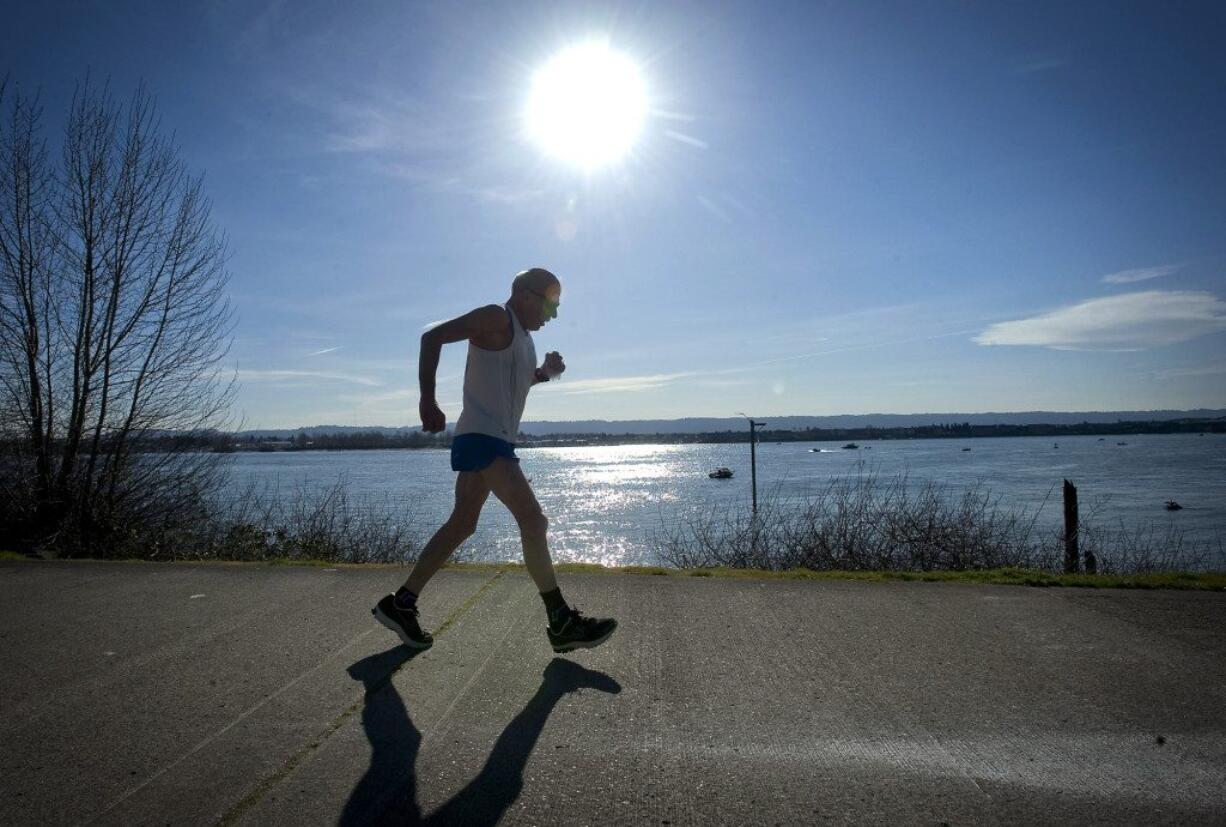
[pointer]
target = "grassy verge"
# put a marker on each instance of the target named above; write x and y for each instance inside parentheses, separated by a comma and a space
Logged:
(1187, 581)
(1202, 581)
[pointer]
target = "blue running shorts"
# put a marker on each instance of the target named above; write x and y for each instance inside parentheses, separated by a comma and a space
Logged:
(474, 452)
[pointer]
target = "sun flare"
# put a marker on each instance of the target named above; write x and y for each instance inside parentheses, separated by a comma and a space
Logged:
(587, 105)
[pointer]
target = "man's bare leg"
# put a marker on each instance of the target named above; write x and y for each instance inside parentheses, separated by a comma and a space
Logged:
(509, 485)
(568, 629)
(471, 492)
(398, 611)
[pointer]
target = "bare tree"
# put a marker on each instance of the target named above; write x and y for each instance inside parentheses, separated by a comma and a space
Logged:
(113, 322)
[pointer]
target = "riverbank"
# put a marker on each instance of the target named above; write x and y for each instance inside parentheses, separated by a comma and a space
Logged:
(257, 694)
(1185, 581)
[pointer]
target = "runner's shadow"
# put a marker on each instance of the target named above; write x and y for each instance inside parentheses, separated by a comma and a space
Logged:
(387, 794)
(394, 742)
(484, 799)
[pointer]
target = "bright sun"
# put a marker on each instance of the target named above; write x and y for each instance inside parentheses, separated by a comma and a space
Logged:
(587, 105)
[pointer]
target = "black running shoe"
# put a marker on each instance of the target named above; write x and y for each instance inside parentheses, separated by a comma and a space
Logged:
(578, 632)
(403, 622)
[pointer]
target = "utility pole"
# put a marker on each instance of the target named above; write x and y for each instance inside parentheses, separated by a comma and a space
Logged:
(753, 457)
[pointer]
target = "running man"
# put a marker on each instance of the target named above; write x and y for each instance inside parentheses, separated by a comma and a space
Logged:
(501, 368)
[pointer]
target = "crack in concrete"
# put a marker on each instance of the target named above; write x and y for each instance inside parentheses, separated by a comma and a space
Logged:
(257, 793)
(260, 790)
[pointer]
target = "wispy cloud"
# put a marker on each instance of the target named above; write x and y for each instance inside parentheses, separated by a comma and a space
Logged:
(1191, 371)
(401, 136)
(622, 384)
(376, 399)
(871, 345)
(1133, 321)
(376, 119)
(453, 179)
(713, 208)
(1039, 64)
(1141, 274)
(686, 139)
(257, 27)
(283, 375)
(326, 350)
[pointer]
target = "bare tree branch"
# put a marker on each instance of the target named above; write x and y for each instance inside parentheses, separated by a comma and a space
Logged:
(114, 319)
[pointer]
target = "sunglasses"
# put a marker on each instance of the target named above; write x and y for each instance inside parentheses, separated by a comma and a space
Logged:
(548, 301)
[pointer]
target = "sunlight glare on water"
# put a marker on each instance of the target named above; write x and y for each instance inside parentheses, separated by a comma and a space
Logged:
(605, 503)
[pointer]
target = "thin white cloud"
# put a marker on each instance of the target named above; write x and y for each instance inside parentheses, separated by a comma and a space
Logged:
(450, 179)
(378, 119)
(863, 346)
(1185, 372)
(713, 208)
(257, 33)
(1041, 64)
(624, 383)
(1141, 274)
(501, 194)
(725, 383)
(377, 399)
(686, 139)
(1133, 321)
(283, 375)
(326, 350)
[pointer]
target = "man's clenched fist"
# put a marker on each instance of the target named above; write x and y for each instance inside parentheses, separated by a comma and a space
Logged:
(433, 419)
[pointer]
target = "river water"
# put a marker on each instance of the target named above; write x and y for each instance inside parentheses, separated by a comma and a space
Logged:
(605, 503)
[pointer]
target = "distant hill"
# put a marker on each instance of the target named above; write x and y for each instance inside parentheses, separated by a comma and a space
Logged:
(695, 425)
(709, 424)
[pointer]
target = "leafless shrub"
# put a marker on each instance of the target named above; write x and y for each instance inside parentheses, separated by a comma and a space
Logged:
(861, 522)
(306, 524)
(1145, 549)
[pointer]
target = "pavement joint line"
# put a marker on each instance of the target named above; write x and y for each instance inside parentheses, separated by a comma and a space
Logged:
(209, 739)
(264, 786)
(442, 719)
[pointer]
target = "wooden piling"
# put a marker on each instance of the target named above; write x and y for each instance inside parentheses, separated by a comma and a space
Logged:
(1071, 556)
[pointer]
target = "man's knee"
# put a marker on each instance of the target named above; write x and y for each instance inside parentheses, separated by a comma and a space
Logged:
(464, 524)
(532, 521)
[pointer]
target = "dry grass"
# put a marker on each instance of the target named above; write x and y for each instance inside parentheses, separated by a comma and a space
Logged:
(862, 523)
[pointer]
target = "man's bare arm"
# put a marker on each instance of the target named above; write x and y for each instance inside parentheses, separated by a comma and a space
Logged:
(483, 326)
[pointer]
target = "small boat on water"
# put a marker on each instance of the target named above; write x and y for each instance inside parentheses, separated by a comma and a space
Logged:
(721, 474)
(965, 449)
(851, 446)
(1171, 505)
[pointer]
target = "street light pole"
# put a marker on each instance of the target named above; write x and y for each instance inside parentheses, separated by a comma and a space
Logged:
(753, 458)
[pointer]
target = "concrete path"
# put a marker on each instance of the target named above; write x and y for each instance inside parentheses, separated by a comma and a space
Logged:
(139, 693)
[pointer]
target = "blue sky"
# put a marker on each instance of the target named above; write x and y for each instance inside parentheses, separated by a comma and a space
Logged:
(841, 207)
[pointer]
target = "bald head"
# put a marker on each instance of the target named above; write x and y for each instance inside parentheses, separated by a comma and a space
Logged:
(535, 295)
(537, 279)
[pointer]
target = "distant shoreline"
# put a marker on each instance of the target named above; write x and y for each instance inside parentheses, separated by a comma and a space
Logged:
(378, 440)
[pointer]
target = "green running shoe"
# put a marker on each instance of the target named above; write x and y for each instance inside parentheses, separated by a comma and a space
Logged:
(578, 632)
(403, 622)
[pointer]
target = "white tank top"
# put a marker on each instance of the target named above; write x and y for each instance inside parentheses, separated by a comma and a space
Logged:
(496, 384)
